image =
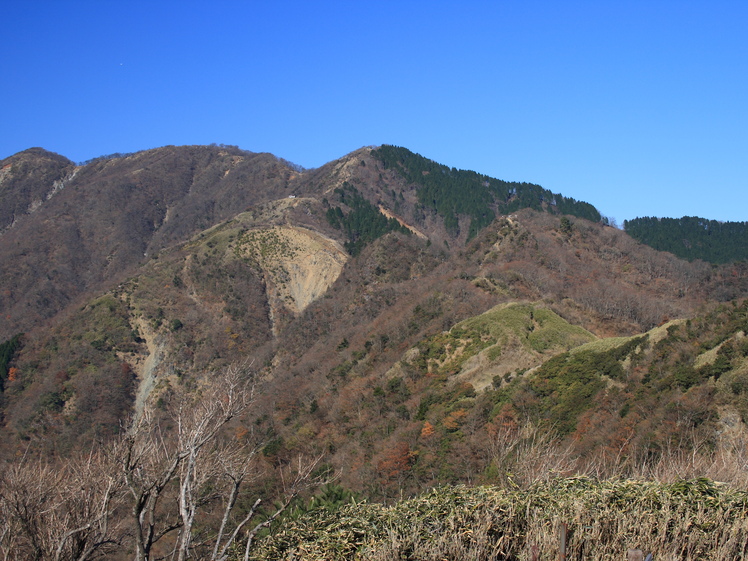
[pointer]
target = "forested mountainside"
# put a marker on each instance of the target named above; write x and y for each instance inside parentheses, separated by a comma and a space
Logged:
(454, 193)
(407, 324)
(692, 237)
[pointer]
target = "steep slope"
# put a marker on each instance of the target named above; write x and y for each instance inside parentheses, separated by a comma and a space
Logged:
(331, 329)
(470, 201)
(335, 380)
(299, 264)
(112, 215)
(222, 296)
(28, 180)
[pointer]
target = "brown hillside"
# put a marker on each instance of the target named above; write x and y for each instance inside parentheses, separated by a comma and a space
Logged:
(28, 180)
(113, 215)
(186, 259)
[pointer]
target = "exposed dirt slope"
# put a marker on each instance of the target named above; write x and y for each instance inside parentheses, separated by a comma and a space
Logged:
(299, 264)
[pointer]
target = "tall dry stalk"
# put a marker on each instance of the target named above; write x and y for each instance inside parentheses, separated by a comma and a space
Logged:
(527, 454)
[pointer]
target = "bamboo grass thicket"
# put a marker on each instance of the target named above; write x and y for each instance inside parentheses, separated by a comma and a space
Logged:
(688, 519)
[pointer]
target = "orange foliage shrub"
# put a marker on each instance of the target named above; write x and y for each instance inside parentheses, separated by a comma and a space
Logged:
(427, 430)
(397, 461)
(453, 421)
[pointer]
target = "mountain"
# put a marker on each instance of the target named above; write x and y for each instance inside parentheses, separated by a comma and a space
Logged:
(70, 230)
(404, 326)
(29, 178)
(398, 310)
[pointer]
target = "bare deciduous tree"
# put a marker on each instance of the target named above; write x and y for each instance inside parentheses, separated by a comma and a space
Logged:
(63, 512)
(299, 475)
(174, 476)
(154, 458)
(172, 471)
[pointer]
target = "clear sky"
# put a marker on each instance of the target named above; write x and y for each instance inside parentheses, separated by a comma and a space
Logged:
(638, 107)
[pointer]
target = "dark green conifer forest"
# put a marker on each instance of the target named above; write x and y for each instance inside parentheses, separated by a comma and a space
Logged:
(363, 223)
(692, 237)
(451, 192)
(7, 351)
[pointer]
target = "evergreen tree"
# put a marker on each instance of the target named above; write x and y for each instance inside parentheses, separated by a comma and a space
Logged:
(364, 223)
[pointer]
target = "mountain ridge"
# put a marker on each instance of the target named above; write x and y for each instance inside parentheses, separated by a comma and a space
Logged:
(403, 336)
(692, 237)
(203, 285)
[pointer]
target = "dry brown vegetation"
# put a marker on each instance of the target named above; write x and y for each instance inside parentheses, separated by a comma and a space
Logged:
(174, 484)
(393, 376)
(647, 507)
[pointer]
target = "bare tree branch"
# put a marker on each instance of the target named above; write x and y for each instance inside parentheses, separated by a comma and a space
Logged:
(152, 461)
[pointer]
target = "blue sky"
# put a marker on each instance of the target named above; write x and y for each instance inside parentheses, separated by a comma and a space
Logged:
(638, 107)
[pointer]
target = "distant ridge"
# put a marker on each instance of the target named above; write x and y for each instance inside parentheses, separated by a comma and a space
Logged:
(692, 237)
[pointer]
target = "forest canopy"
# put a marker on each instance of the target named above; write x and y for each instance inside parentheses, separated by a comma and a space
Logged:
(363, 223)
(692, 237)
(451, 192)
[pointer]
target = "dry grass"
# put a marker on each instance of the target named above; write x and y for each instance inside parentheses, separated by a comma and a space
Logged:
(674, 508)
(695, 519)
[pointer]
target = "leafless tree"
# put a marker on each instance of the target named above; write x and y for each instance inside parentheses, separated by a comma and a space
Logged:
(61, 512)
(176, 476)
(154, 458)
(173, 470)
(299, 475)
(236, 470)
